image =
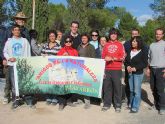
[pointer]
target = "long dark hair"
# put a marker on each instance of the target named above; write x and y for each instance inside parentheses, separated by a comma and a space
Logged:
(95, 30)
(139, 40)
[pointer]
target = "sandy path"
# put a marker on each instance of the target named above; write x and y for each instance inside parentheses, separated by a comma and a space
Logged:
(44, 114)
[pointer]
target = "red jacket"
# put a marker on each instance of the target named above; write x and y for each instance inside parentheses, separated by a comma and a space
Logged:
(114, 49)
(71, 51)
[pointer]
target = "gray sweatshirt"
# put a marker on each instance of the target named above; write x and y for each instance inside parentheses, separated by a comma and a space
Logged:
(157, 54)
(16, 47)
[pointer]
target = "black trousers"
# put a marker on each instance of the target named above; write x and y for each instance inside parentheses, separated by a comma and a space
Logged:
(157, 83)
(126, 92)
(112, 88)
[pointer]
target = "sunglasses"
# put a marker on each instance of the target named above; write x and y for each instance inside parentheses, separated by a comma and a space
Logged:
(95, 35)
(68, 41)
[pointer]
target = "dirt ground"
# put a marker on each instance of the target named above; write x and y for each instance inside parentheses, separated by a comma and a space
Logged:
(49, 114)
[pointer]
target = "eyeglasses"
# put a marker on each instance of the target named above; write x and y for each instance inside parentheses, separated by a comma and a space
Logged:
(68, 41)
(95, 35)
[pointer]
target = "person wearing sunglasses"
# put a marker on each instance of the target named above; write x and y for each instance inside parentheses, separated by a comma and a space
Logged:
(68, 50)
(95, 42)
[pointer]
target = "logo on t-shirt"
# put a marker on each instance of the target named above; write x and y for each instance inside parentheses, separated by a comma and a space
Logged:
(112, 48)
(17, 49)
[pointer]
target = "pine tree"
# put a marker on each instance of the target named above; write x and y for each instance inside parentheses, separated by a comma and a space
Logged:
(158, 6)
(127, 23)
(78, 10)
(84, 12)
(2, 14)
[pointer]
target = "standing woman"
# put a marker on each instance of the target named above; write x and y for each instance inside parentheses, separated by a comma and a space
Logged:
(85, 49)
(95, 42)
(67, 50)
(103, 40)
(51, 48)
(136, 61)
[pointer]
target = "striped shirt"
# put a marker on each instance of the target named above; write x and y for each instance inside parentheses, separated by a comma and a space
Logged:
(50, 51)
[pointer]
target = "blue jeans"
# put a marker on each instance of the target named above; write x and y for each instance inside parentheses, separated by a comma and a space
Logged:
(135, 81)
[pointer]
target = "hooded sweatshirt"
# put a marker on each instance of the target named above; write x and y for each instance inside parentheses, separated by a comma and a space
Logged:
(114, 49)
(71, 51)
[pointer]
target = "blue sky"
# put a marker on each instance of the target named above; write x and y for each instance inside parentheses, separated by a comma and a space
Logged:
(138, 8)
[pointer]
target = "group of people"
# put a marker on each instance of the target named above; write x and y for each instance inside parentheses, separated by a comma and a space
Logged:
(134, 54)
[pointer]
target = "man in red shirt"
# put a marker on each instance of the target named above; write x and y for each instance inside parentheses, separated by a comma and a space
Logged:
(113, 53)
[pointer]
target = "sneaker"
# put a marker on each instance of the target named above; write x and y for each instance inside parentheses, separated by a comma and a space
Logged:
(118, 110)
(5, 101)
(87, 106)
(71, 104)
(79, 102)
(128, 107)
(133, 111)
(15, 104)
(54, 101)
(104, 108)
(162, 112)
(61, 107)
(48, 101)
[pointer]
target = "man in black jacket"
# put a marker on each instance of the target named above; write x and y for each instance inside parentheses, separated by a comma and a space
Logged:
(74, 34)
(20, 19)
